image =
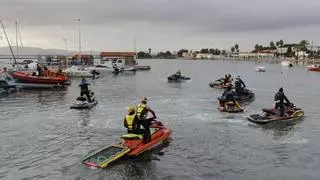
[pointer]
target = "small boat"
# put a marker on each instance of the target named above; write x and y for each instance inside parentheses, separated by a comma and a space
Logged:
(76, 71)
(83, 103)
(286, 64)
(49, 78)
(132, 145)
(247, 95)
(178, 78)
(314, 67)
(260, 69)
(273, 115)
(231, 107)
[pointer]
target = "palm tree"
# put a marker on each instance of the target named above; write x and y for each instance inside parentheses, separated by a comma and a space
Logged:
(236, 47)
(304, 42)
(281, 42)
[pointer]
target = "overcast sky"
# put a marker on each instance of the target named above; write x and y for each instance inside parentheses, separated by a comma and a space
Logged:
(111, 25)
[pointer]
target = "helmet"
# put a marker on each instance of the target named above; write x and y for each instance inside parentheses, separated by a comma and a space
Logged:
(131, 109)
(144, 100)
(281, 89)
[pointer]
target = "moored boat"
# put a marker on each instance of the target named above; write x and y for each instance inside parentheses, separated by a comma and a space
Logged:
(49, 78)
(314, 67)
(286, 64)
(260, 69)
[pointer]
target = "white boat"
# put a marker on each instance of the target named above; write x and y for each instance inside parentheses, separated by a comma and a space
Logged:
(109, 64)
(286, 64)
(76, 71)
(260, 69)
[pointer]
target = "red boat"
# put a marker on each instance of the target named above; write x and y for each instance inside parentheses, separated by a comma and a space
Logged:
(160, 134)
(48, 78)
(314, 67)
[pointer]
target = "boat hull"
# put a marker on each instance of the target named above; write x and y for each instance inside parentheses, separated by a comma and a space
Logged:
(27, 78)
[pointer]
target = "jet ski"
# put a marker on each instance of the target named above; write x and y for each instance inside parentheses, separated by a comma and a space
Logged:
(177, 78)
(246, 95)
(273, 115)
(82, 102)
(219, 84)
(131, 145)
(230, 107)
(6, 88)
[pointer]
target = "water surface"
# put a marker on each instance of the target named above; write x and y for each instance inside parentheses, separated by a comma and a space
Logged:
(41, 138)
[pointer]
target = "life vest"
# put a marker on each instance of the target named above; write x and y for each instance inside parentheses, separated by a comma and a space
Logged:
(141, 108)
(129, 121)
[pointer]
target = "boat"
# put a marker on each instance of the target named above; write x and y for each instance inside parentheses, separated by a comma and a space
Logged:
(260, 69)
(48, 78)
(273, 115)
(286, 64)
(177, 78)
(314, 67)
(131, 145)
(247, 95)
(77, 71)
(230, 107)
(82, 102)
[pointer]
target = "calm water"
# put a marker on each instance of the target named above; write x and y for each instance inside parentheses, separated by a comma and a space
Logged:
(41, 138)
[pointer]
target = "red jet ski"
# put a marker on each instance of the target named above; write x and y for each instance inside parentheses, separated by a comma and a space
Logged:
(273, 115)
(131, 145)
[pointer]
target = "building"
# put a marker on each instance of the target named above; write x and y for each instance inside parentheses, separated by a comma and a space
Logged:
(128, 57)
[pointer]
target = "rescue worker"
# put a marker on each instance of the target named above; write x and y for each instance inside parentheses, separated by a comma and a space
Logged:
(228, 95)
(280, 97)
(142, 116)
(84, 90)
(39, 70)
(130, 121)
(239, 86)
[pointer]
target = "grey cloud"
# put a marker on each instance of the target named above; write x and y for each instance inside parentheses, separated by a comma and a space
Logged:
(213, 15)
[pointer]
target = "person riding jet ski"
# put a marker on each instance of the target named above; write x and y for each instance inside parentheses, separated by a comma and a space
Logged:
(239, 86)
(228, 95)
(142, 113)
(178, 74)
(280, 97)
(84, 90)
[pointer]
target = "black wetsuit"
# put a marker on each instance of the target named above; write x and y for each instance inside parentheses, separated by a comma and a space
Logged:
(84, 90)
(239, 86)
(280, 97)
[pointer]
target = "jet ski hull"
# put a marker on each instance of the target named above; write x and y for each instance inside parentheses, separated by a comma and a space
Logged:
(266, 117)
(84, 105)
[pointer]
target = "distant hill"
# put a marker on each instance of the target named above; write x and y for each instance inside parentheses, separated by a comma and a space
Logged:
(39, 51)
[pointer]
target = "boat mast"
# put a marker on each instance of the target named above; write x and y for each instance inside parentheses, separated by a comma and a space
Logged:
(15, 61)
(17, 39)
(66, 48)
(80, 42)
